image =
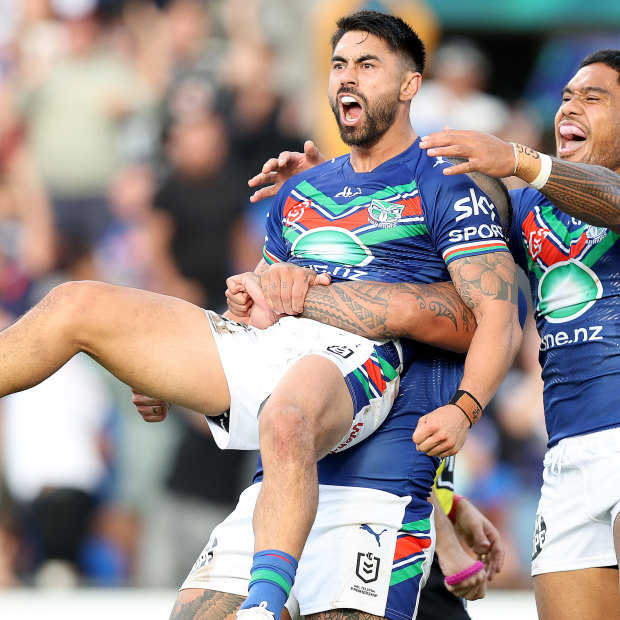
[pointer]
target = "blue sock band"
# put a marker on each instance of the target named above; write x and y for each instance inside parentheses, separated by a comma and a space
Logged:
(272, 576)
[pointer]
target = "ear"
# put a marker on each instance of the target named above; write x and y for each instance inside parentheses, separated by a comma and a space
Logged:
(410, 85)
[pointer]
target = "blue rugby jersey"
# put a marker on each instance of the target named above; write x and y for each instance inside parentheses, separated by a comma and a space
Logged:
(404, 221)
(574, 274)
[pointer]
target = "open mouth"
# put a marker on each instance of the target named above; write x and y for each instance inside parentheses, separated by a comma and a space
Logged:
(571, 138)
(351, 110)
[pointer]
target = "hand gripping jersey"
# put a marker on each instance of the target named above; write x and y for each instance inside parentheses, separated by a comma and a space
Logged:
(574, 274)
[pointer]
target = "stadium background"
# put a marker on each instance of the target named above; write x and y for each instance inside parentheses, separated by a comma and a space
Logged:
(137, 176)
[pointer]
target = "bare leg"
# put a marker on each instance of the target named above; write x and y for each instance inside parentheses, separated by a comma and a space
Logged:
(308, 412)
(617, 545)
(160, 345)
(578, 594)
(208, 605)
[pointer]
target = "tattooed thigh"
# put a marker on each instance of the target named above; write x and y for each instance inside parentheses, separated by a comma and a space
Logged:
(197, 604)
(343, 614)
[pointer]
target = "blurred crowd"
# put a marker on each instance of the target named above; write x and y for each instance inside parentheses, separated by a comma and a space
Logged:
(128, 130)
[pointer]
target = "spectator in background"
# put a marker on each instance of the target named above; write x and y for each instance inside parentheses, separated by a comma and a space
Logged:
(124, 254)
(9, 547)
(260, 121)
(196, 210)
(54, 463)
(201, 488)
(455, 95)
(27, 239)
(74, 118)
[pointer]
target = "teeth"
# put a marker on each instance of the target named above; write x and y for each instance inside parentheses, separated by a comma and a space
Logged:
(348, 99)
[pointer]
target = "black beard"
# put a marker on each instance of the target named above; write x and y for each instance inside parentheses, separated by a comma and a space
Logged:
(378, 120)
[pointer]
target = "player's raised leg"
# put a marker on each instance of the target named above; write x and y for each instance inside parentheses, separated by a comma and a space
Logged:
(160, 345)
(308, 413)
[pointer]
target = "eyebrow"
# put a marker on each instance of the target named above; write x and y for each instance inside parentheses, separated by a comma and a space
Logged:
(587, 89)
(357, 60)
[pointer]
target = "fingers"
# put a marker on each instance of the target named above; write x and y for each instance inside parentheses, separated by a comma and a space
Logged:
(494, 558)
(469, 583)
(239, 304)
(285, 287)
(322, 279)
(151, 409)
(313, 155)
(278, 289)
(471, 589)
(267, 174)
(441, 432)
(238, 299)
(274, 172)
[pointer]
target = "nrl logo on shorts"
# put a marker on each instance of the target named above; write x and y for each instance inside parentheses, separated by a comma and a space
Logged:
(384, 214)
(367, 568)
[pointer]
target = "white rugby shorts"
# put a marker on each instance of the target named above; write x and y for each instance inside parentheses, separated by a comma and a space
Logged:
(254, 361)
(580, 499)
(359, 554)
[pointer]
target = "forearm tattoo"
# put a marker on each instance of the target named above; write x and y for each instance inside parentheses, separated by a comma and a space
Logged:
(208, 606)
(589, 193)
(490, 275)
(374, 309)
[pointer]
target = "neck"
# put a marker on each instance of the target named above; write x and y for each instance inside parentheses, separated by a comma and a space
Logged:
(398, 138)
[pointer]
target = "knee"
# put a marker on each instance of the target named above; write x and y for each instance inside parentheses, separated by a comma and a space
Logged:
(73, 302)
(72, 294)
(285, 430)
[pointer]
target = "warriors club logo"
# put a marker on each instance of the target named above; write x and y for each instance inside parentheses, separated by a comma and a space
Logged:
(384, 214)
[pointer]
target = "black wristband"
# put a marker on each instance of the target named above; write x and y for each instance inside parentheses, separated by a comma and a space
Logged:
(468, 404)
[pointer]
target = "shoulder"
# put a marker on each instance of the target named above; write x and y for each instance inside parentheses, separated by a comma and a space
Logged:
(524, 199)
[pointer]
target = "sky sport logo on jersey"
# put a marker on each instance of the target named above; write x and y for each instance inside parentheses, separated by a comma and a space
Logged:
(567, 290)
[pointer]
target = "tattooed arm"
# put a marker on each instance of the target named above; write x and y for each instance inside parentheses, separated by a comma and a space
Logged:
(488, 285)
(431, 313)
(589, 193)
(585, 191)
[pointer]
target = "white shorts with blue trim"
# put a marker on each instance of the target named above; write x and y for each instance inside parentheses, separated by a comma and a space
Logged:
(254, 361)
(364, 552)
(579, 503)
